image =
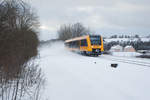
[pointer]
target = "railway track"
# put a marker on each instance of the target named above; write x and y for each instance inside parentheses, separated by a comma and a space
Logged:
(129, 61)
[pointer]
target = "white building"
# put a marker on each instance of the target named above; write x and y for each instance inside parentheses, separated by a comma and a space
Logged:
(129, 48)
(116, 48)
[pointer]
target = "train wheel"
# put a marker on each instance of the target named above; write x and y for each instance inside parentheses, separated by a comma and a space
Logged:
(96, 55)
(84, 52)
(100, 53)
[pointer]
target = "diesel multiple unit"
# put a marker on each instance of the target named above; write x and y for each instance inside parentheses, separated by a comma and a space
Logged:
(88, 45)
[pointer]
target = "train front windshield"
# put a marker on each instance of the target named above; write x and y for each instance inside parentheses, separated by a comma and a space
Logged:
(95, 40)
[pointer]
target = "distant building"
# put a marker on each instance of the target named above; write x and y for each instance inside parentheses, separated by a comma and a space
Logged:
(116, 48)
(129, 49)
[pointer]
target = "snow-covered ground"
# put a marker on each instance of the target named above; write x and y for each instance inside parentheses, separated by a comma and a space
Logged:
(71, 76)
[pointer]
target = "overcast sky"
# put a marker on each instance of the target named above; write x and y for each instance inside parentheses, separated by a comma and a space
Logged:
(101, 16)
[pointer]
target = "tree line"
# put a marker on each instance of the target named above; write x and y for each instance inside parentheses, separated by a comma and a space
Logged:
(20, 77)
(138, 45)
(69, 31)
(125, 36)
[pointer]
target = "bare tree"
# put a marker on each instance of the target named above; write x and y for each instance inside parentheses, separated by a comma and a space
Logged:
(78, 30)
(18, 37)
(18, 45)
(70, 31)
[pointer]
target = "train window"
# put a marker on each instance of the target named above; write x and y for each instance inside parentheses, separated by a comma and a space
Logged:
(77, 44)
(74, 44)
(66, 44)
(95, 40)
(84, 42)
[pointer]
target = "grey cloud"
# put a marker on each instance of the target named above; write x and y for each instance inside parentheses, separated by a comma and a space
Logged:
(101, 15)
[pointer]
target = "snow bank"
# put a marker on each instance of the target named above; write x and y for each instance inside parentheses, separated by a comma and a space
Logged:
(126, 54)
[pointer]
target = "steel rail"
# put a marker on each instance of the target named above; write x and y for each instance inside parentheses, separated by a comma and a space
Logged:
(129, 61)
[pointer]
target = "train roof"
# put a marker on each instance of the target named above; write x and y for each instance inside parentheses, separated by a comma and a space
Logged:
(80, 38)
(77, 38)
(94, 35)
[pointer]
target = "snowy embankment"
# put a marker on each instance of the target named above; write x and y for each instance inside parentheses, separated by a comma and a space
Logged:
(72, 76)
(126, 54)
